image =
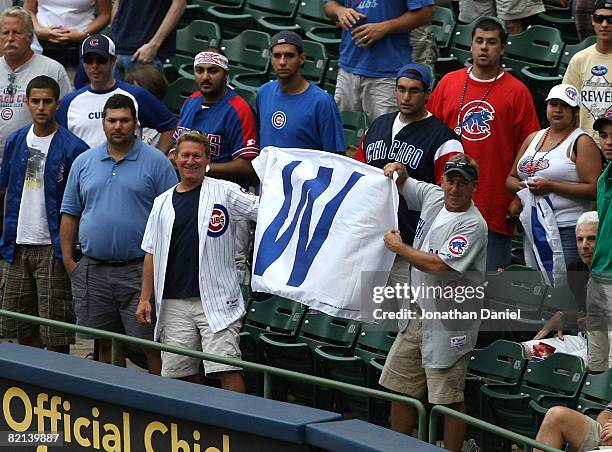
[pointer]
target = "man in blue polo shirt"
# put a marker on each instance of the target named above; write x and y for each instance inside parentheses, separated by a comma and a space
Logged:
(81, 110)
(37, 160)
(293, 113)
(107, 202)
(375, 45)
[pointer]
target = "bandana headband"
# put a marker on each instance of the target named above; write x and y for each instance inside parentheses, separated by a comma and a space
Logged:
(211, 58)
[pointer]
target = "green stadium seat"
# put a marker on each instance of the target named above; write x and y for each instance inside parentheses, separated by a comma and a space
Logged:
(443, 25)
(537, 46)
(355, 124)
(502, 362)
(596, 393)
(331, 77)
(190, 41)
(560, 17)
(351, 366)
(248, 52)
(252, 81)
(253, 10)
(557, 380)
(541, 79)
(275, 314)
(316, 62)
(178, 91)
(517, 286)
(296, 353)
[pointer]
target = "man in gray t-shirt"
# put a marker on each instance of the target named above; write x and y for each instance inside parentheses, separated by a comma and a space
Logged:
(431, 351)
(18, 66)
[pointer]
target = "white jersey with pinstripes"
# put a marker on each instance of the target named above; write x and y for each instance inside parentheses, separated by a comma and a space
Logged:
(221, 202)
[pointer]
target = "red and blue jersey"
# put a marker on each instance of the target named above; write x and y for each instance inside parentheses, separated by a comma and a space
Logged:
(229, 125)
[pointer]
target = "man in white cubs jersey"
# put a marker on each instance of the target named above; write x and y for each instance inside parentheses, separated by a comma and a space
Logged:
(197, 296)
(81, 111)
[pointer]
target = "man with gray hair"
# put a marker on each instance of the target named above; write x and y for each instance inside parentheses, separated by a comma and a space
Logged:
(21, 64)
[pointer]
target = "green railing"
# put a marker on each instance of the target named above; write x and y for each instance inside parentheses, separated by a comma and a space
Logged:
(438, 410)
(268, 371)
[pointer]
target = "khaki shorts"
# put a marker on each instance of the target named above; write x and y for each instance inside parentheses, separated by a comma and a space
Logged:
(592, 438)
(470, 10)
(184, 324)
(404, 372)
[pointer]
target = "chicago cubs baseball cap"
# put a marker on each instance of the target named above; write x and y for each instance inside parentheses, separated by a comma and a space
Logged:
(599, 123)
(286, 37)
(99, 44)
(465, 168)
(565, 92)
(602, 4)
(416, 71)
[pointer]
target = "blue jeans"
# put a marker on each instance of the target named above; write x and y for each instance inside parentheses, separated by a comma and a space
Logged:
(499, 251)
(125, 64)
(568, 242)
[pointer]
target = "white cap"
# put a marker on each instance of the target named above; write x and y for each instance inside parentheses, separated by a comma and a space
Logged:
(565, 92)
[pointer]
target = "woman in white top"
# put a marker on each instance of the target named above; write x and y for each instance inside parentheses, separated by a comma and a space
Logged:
(61, 25)
(562, 162)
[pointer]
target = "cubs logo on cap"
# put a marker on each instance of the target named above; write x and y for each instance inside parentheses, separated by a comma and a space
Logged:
(99, 44)
(565, 92)
(219, 221)
(457, 245)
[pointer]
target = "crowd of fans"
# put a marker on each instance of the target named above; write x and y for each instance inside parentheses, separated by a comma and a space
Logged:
(79, 166)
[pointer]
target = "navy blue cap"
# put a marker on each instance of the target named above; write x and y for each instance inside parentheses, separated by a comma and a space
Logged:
(416, 71)
(602, 4)
(286, 37)
(99, 44)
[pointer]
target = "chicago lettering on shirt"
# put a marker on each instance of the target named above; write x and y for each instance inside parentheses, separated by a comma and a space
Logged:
(400, 151)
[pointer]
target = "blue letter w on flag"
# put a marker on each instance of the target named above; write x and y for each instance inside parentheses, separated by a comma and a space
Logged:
(272, 245)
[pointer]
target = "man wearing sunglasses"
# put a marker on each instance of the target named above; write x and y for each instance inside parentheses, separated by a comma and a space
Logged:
(590, 70)
(431, 352)
(81, 111)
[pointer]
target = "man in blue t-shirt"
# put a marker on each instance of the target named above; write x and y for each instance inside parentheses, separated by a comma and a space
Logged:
(81, 110)
(375, 45)
(293, 113)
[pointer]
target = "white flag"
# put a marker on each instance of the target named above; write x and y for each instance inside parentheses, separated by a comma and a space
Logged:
(320, 227)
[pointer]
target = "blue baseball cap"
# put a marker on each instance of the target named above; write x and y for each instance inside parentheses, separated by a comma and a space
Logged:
(416, 71)
(99, 44)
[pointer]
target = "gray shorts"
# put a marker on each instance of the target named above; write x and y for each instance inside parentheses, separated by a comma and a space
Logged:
(470, 10)
(592, 438)
(106, 297)
(374, 96)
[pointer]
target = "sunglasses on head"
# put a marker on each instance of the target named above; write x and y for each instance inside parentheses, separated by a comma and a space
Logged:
(456, 164)
(91, 60)
(599, 18)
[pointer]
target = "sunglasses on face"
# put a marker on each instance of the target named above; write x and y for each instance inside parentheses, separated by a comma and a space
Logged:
(91, 60)
(599, 18)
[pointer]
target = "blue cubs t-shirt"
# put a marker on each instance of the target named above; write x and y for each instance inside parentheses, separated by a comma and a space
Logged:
(386, 56)
(309, 120)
